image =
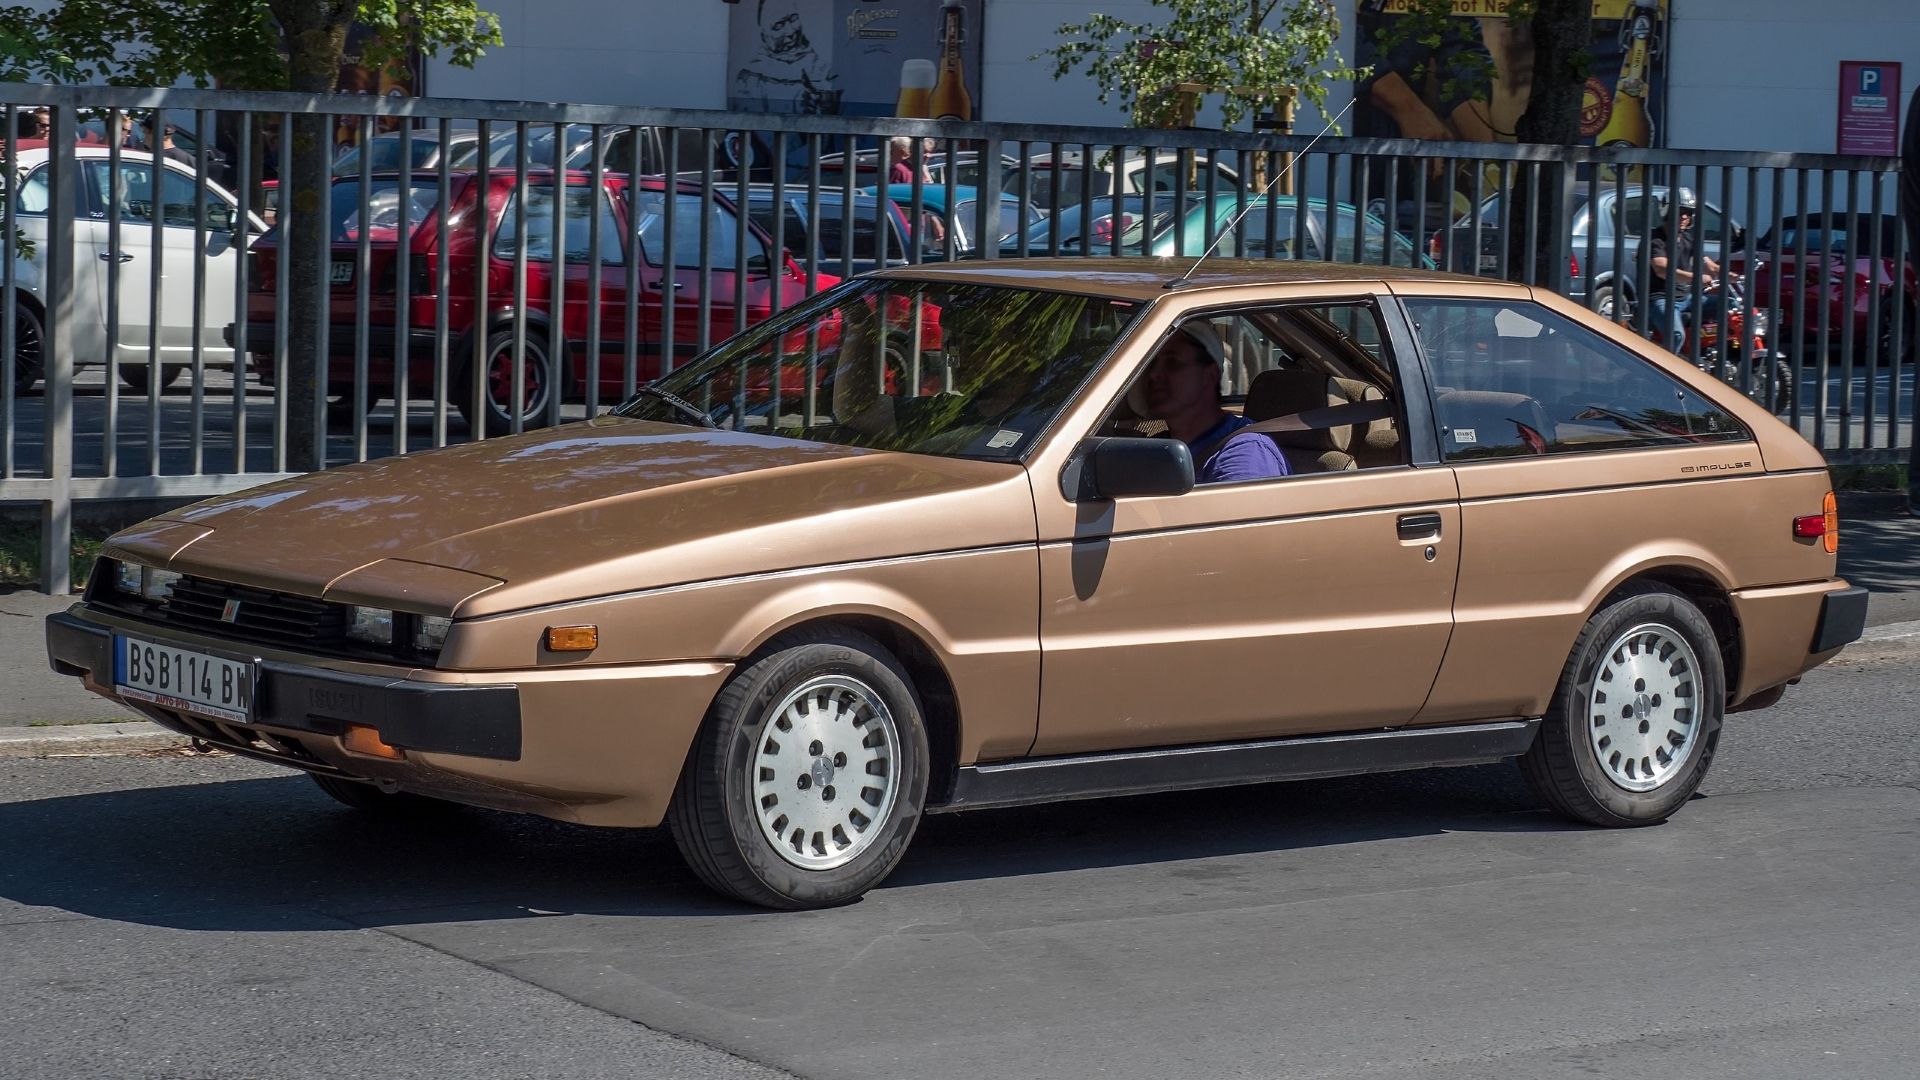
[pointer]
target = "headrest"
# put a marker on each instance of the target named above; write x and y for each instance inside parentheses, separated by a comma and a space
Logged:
(1487, 423)
(1279, 393)
(1376, 434)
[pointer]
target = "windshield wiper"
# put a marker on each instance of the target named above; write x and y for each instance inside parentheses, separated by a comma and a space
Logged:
(679, 403)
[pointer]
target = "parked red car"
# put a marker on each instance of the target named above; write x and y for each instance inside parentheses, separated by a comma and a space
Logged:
(1842, 274)
(767, 273)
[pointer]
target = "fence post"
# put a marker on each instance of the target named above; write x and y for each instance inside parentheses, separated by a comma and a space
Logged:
(56, 514)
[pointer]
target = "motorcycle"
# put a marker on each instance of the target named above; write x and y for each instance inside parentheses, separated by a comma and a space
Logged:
(1763, 372)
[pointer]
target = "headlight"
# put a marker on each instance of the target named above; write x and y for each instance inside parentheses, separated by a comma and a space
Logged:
(144, 581)
(157, 585)
(430, 632)
(372, 625)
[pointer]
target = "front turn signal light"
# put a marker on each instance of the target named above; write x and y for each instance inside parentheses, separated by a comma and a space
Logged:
(361, 739)
(573, 638)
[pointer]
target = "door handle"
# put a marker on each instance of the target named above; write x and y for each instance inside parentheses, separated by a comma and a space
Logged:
(657, 286)
(1419, 526)
(115, 256)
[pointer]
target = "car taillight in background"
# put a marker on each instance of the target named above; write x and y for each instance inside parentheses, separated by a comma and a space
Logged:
(420, 280)
(1573, 266)
(1104, 228)
(1434, 247)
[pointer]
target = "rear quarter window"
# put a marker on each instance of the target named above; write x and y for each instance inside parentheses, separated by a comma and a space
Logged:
(1513, 379)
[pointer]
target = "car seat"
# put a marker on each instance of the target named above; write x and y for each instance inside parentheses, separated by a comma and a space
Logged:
(1281, 393)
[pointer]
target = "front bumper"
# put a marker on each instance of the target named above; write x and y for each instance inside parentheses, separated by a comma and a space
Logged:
(465, 720)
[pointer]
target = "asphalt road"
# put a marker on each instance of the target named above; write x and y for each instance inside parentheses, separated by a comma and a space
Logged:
(188, 917)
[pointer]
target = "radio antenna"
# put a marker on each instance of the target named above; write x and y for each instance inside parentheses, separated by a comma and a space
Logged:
(1264, 193)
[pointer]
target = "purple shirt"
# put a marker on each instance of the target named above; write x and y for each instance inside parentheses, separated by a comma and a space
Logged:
(1249, 457)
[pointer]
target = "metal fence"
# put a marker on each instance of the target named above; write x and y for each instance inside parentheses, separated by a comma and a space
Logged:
(473, 290)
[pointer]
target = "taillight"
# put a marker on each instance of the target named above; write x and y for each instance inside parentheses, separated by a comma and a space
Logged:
(1573, 266)
(420, 275)
(1104, 228)
(1825, 525)
(1434, 247)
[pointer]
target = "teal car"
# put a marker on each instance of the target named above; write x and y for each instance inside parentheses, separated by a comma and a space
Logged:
(1271, 228)
(963, 216)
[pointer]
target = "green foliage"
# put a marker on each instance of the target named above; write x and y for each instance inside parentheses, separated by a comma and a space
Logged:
(1254, 51)
(239, 44)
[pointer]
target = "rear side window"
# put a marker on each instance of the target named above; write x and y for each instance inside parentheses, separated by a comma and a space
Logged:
(692, 216)
(577, 220)
(1513, 379)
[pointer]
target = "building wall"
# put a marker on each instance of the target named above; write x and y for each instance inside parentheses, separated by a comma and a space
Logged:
(1764, 74)
(1744, 74)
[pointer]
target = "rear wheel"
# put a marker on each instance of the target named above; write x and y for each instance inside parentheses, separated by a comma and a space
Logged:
(1610, 302)
(498, 405)
(137, 376)
(1882, 345)
(806, 782)
(1636, 717)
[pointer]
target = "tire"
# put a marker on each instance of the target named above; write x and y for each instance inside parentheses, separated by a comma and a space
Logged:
(1782, 388)
(1882, 344)
(497, 381)
(1646, 650)
(750, 778)
(29, 342)
(370, 799)
(340, 406)
(1610, 302)
(135, 376)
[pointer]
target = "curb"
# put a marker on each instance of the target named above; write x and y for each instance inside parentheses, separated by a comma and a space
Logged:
(87, 740)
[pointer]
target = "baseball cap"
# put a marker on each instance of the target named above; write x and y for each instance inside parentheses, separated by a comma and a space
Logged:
(1205, 336)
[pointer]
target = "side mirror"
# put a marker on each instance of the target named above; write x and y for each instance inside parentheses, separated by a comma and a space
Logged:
(759, 264)
(1114, 468)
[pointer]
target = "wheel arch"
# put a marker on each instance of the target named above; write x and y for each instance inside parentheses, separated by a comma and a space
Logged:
(1710, 594)
(913, 646)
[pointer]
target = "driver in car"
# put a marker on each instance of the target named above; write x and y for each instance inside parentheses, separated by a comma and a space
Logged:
(1182, 387)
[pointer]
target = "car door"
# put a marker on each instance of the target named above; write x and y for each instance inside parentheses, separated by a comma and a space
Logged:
(698, 306)
(30, 217)
(172, 199)
(1311, 603)
(576, 255)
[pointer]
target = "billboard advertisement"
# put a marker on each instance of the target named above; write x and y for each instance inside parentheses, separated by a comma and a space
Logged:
(855, 57)
(1473, 83)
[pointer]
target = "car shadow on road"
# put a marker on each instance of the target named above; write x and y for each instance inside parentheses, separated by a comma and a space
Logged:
(274, 854)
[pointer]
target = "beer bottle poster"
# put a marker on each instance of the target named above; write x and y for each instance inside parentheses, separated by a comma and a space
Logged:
(1421, 91)
(848, 57)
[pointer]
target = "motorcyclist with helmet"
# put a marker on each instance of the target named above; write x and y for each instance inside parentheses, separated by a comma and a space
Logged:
(1675, 263)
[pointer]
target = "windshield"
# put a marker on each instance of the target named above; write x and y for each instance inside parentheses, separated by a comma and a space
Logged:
(382, 221)
(920, 366)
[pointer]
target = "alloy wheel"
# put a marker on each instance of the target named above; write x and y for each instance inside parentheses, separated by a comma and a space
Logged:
(826, 773)
(1643, 710)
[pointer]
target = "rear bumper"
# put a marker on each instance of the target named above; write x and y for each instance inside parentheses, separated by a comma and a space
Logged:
(1843, 618)
(1788, 630)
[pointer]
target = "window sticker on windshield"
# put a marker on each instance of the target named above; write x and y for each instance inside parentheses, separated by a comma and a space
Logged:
(1003, 438)
(1465, 435)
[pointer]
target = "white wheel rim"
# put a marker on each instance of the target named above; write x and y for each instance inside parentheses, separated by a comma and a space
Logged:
(825, 772)
(1643, 713)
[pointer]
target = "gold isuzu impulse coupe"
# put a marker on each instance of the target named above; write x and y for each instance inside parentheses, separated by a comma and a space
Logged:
(989, 534)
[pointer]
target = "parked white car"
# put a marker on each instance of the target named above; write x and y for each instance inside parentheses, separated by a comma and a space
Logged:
(98, 261)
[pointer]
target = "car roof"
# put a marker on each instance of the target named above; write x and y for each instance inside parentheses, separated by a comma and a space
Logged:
(1137, 278)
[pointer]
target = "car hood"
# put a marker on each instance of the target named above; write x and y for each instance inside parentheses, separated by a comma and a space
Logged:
(606, 506)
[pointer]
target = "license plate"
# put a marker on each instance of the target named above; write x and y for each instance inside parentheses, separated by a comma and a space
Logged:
(186, 680)
(1489, 262)
(342, 273)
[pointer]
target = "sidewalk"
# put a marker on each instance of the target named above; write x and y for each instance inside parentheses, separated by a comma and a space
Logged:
(41, 712)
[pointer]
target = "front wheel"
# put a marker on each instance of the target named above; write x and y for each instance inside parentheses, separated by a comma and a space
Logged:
(1636, 717)
(137, 376)
(806, 781)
